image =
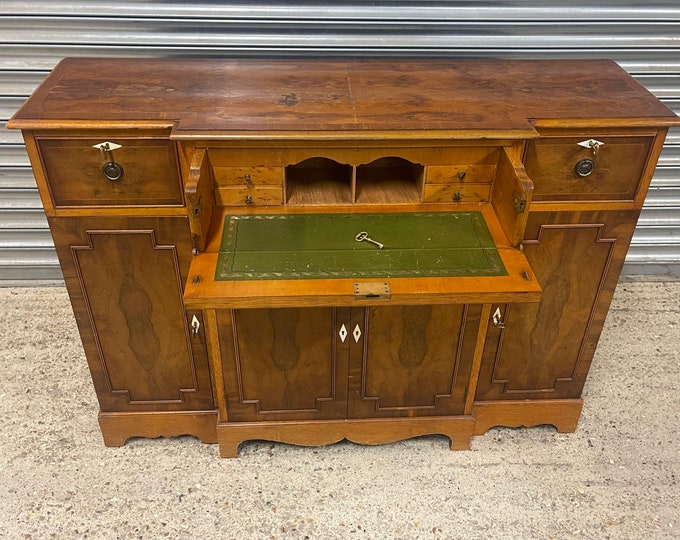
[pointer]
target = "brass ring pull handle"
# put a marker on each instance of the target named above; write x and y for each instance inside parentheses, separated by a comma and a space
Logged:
(584, 167)
(112, 170)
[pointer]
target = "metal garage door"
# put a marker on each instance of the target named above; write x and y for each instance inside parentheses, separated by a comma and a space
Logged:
(643, 37)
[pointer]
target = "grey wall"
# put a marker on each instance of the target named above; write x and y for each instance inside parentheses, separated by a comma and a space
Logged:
(643, 37)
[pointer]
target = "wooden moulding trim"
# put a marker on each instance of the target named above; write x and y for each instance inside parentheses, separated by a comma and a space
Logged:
(597, 131)
(650, 167)
(117, 428)
(219, 302)
(39, 173)
(582, 206)
(137, 132)
(361, 431)
(561, 413)
(477, 359)
(601, 123)
(359, 135)
(119, 211)
(340, 293)
(19, 123)
(215, 361)
(333, 144)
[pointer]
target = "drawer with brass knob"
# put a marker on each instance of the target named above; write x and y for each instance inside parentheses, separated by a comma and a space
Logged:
(458, 193)
(474, 173)
(248, 186)
(247, 196)
(248, 176)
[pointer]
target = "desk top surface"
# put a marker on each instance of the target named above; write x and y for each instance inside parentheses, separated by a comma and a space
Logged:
(315, 246)
(302, 97)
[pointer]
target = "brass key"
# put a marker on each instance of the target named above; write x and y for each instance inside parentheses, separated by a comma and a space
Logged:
(363, 237)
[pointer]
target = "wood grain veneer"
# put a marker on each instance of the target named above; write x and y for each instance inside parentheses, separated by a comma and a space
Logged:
(174, 351)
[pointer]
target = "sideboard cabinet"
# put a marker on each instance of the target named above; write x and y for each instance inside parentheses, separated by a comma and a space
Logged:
(307, 251)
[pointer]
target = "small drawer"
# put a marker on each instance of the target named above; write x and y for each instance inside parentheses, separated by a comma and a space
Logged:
(617, 167)
(464, 193)
(244, 196)
(443, 174)
(248, 176)
(76, 177)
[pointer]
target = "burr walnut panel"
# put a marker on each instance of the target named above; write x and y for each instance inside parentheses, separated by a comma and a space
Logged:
(544, 350)
(126, 283)
(282, 364)
(324, 363)
(415, 360)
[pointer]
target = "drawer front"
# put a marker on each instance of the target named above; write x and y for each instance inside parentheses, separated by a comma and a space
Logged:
(442, 174)
(243, 196)
(618, 166)
(234, 176)
(464, 193)
(75, 175)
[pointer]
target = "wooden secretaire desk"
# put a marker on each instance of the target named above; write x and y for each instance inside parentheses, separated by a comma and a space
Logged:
(306, 251)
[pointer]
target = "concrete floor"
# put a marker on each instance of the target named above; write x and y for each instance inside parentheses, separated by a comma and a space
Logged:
(616, 477)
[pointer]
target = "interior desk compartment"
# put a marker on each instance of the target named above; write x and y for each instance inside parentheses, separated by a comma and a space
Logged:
(296, 255)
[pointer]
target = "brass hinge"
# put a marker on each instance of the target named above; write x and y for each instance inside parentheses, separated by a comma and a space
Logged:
(195, 243)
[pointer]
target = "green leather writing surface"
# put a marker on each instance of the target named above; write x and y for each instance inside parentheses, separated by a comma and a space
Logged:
(315, 246)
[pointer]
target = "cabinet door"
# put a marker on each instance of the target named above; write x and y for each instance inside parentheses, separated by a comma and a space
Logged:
(544, 350)
(125, 278)
(284, 363)
(411, 360)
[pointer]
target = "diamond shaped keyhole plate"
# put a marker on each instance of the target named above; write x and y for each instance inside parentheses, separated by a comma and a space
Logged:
(343, 333)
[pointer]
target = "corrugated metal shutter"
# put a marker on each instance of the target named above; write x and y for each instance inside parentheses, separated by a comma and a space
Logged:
(643, 37)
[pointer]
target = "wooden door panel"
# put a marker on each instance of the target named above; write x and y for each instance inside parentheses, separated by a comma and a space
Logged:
(283, 364)
(545, 349)
(412, 360)
(125, 281)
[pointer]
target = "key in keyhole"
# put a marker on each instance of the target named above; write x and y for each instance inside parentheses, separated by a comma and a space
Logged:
(363, 237)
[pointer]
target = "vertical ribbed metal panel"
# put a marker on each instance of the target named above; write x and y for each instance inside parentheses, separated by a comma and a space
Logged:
(644, 37)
